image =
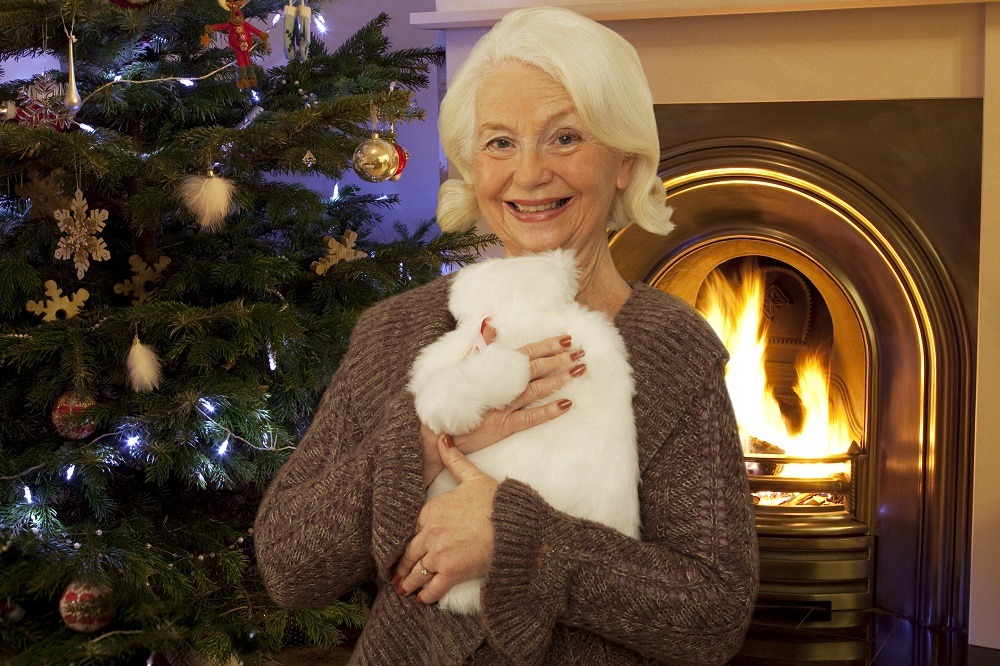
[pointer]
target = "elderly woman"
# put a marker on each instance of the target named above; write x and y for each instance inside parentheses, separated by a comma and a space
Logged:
(550, 124)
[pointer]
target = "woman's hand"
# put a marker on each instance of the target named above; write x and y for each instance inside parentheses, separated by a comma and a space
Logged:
(553, 364)
(454, 538)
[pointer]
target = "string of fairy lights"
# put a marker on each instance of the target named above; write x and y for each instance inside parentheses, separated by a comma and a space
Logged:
(130, 436)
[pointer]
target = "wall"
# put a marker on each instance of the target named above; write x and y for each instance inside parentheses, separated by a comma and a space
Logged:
(984, 613)
(752, 51)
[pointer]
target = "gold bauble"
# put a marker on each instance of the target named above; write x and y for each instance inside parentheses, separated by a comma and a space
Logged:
(375, 160)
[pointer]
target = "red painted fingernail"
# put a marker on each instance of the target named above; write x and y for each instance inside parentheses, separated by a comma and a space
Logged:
(396, 579)
(578, 370)
(419, 600)
(564, 404)
(400, 591)
(577, 355)
(449, 441)
(566, 341)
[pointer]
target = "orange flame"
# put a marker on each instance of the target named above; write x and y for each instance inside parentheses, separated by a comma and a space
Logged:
(735, 312)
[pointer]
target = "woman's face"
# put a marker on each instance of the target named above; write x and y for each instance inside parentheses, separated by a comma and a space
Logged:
(541, 180)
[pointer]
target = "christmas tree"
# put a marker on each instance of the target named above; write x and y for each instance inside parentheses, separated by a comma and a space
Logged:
(172, 308)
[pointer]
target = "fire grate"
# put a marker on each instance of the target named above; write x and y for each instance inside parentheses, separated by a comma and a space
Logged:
(813, 550)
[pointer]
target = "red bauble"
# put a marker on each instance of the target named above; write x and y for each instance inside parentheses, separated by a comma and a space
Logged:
(85, 607)
(67, 416)
(11, 612)
(402, 155)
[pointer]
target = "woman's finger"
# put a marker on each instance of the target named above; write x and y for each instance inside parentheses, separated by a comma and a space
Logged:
(435, 588)
(547, 347)
(419, 576)
(547, 365)
(529, 417)
(542, 388)
(416, 549)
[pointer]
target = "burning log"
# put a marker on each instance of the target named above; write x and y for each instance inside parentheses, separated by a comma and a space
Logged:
(764, 468)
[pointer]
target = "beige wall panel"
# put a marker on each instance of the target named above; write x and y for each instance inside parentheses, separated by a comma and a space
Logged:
(984, 624)
(923, 52)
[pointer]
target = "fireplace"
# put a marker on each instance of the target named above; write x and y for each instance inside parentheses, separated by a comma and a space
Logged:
(876, 271)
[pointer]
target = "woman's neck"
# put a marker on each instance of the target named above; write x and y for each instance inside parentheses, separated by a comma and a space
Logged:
(602, 288)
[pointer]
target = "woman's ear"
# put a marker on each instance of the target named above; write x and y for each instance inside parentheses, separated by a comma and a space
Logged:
(625, 172)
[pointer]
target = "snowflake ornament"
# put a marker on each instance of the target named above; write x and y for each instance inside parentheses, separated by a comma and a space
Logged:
(81, 241)
(41, 104)
(50, 309)
(337, 250)
(144, 277)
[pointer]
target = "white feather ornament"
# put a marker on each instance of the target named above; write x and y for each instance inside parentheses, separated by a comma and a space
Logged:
(208, 197)
(143, 367)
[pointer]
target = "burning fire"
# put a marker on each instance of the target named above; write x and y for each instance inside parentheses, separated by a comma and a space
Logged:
(735, 311)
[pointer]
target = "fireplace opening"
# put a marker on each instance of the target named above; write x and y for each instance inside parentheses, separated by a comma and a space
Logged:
(779, 334)
(802, 448)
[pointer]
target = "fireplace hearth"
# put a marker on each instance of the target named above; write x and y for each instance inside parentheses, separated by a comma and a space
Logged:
(874, 208)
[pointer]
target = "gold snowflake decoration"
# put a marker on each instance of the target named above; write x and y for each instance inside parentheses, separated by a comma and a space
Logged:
(57, 301)
(337, 250)
(144, 277)
(81, 241)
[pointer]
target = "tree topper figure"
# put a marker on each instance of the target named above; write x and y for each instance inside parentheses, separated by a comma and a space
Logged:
(241, 36)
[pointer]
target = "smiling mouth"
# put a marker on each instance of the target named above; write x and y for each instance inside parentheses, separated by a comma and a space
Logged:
(540, 208)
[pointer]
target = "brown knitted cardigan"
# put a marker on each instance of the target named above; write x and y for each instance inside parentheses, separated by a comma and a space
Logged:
(560, 590)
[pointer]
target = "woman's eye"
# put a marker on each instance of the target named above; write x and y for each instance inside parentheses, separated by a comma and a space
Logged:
(499, 143)
(566, 139)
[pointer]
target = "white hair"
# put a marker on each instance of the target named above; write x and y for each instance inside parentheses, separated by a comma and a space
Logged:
(603, 77)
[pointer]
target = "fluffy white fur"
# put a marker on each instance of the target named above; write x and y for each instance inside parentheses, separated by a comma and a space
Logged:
(584, 462)
(143, 367)
(209, 198)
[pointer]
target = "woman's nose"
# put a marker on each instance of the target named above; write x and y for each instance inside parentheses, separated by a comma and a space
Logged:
(532, 169)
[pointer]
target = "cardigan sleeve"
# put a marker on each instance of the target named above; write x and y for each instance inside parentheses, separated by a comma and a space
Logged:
(314, 533)
(682, 594)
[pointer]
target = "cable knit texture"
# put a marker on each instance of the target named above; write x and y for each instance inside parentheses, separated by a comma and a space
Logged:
(560, 590)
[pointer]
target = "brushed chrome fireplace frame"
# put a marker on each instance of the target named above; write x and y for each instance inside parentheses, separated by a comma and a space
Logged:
(755, 196)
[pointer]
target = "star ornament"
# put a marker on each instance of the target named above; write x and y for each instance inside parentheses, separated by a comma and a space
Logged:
(81, 241)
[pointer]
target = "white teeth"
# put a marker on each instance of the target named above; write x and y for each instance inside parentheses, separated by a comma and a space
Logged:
(537, 209)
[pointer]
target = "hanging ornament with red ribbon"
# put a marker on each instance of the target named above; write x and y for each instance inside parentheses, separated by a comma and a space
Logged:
(241, 35)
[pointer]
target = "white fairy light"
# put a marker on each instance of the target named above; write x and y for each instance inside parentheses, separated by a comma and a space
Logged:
(86, 128)
(209, 407)
(186, 82)
(132, 441)
(320, 22)
(69, 472)
(254, 95)
(275, 19)
(223, 447)
(27, 494)
(336, 192)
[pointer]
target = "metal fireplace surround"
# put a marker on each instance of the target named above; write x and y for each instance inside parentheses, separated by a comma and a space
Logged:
(876, 204)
